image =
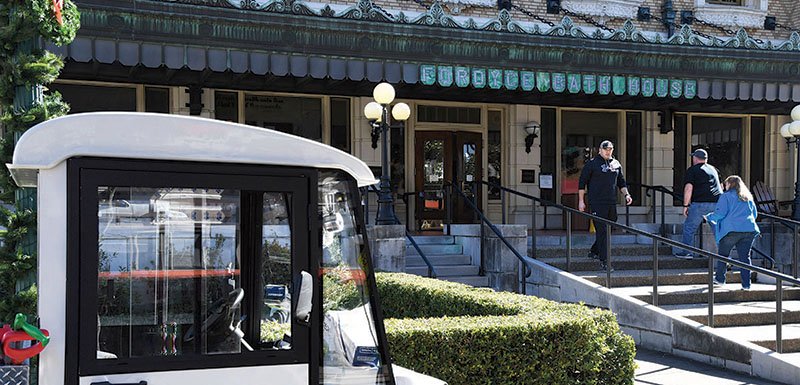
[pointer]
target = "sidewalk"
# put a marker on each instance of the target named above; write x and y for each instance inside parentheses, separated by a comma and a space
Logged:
(656, 368)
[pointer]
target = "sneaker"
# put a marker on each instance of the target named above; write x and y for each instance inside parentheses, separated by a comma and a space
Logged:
(603, 266)
(592, 255)
(683, 255)
(746, 288)
(718, 283)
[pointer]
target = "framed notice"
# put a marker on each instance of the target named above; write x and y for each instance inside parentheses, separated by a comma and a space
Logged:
(546, 181)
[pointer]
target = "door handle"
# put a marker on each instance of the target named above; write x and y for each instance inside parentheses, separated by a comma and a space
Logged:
(113, 383)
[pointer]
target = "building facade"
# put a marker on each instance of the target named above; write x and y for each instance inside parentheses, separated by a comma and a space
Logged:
(658, 78)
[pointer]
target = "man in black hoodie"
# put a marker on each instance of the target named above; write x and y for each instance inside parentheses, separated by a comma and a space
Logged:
(602, 176)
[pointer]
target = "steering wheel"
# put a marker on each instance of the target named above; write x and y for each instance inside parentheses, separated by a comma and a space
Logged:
(220, 315)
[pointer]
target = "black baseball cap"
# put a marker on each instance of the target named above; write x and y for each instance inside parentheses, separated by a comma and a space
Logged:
(606, 144)
(700, 154)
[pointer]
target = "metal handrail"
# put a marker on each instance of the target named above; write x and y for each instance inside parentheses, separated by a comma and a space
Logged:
(657, 239)
(664, 190)
(526, 265)
(431, 270)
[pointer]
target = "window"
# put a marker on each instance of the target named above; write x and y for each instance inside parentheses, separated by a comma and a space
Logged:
(86, 98)
(724, 2)
(439, 114)
(185, 263)
(292, 115)
(156, 99)
(340, 124)
(494, 161)
(226, 106)
(350, 346)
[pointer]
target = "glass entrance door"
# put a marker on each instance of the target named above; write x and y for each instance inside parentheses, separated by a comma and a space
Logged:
(446, 157)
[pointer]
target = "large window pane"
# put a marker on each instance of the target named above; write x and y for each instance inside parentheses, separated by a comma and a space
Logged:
(168, 271)
(156, 99)
(494, 163)
(83, 98)
(340, 124)
(276, 272)
(292, 115)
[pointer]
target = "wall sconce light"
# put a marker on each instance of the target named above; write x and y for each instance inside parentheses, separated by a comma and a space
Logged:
(532, 128)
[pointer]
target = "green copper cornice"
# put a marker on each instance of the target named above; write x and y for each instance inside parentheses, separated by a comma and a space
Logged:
(367, 31)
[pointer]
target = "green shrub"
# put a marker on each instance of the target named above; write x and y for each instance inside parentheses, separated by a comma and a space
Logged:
(470, 336)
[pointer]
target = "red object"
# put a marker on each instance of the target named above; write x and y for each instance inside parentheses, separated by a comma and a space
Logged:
(569, 186)
(17, 356)
(58, 5)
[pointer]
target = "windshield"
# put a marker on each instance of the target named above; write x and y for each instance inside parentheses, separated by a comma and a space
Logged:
(351, 351)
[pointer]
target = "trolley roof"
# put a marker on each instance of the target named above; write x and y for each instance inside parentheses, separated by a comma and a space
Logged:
(170, 137)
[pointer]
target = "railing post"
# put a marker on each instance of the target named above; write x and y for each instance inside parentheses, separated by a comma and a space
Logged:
(627, 215)
(655, 272)
(544, 213)
(533, 229)
(569, 241)
(661, 230)
(608, 254)
(655, 199)
(482, 268)
(779, 316)
(711, 292)
(772, 238)
(449, 196)
(503, 204)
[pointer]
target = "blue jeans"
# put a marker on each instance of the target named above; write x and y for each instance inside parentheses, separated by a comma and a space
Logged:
(694, 219)
(743, 242)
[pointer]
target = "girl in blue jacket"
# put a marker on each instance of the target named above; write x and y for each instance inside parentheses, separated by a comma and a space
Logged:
(735, 221)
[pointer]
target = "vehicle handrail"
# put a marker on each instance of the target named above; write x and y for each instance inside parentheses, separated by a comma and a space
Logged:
(528, 266)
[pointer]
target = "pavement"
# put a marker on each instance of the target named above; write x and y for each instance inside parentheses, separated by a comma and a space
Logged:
(656, 368)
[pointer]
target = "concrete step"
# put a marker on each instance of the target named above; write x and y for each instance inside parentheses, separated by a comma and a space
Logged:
(445, 271)
(438, 260)
(738, 313)
(683, 294)
(765, 335)
(618, 249)
(645, 277)
(435, 250)
(625, 262)
(474, 280)
(433, 240)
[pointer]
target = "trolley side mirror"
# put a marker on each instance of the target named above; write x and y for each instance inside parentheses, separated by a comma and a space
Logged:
(304, 297)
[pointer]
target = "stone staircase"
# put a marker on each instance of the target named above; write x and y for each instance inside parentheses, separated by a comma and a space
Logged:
(448, 259)
(683, 289)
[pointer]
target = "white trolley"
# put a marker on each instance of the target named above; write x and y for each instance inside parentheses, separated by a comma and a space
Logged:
(181, 250)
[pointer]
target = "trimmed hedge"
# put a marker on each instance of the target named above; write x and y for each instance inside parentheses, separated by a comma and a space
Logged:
(466, 336)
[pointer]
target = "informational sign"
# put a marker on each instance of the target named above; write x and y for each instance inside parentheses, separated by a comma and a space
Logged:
(546, 181)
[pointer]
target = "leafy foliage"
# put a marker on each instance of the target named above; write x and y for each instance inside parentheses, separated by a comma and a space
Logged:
(470, 336)
(25, 66)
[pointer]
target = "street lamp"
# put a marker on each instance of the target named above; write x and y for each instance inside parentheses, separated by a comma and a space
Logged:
(377, 113)
(791, 132)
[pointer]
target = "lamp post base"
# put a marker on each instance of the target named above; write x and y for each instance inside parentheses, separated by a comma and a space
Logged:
(385, 214)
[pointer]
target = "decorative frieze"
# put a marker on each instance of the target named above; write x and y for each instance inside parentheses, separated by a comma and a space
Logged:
(604, 9)
(749, 15)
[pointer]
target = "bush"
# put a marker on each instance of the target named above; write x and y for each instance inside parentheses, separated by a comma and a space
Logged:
(469, 336)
